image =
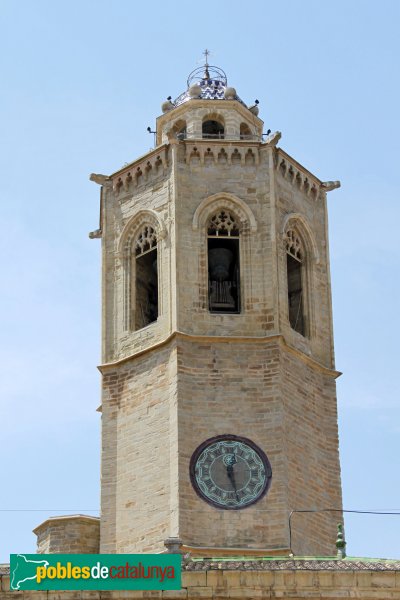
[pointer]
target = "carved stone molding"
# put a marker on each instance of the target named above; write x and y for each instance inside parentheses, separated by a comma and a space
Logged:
(208, 152)
(223, 200)
(141, 171)
(303, 180)
(135, 223)
(299, 222)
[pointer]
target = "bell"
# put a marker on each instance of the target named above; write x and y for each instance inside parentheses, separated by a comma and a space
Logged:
(219, 262)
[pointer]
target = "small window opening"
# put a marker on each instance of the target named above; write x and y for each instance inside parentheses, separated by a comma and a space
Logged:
(146, 281)
(181, 135)
(223, 264)
(179, 129)
(295, 268)
(245, 133)
(213, 130)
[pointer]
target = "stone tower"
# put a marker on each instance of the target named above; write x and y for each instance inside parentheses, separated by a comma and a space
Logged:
(219, 412)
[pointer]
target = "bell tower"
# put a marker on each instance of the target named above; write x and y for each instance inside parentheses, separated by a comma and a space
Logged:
(219, 412)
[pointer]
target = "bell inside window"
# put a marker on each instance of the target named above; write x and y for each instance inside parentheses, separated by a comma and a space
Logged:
(223, 264)
(213, 130)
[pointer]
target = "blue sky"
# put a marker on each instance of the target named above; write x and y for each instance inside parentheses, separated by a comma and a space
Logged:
(81, 83)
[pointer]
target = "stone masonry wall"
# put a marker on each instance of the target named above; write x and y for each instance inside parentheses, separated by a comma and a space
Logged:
(72, 534)
(311, 447)
(159, 406)
(287, 407)
(232, 388)
(138, 446)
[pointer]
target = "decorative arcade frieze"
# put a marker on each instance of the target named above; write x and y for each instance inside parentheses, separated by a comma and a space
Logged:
(297, 176)
(143, 170)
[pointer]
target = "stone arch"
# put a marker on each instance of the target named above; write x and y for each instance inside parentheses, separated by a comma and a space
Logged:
(134, 225)
(178, 129)
(301, 237)
(245, 224)
(213, 126)
(300, 223)
(223, 200)
(147, 223)
(213, 116)
(245, 131)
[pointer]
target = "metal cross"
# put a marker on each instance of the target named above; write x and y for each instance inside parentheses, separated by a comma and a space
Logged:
(206, 54)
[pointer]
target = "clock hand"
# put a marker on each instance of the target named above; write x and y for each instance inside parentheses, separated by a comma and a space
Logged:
(231, 477)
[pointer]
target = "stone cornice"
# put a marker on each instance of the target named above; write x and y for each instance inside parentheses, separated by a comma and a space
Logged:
(279, 338)
(145, 166)
(64, 518)
(292, 170)
(141, 167)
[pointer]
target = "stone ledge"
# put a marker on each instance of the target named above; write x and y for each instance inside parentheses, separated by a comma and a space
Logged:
(312, 564)
(332, 579)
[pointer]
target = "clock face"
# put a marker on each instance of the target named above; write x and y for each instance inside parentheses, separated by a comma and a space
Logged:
(230, 472)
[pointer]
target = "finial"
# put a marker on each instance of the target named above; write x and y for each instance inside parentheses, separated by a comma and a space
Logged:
(254, 109)
(340, 542)
(206, 72)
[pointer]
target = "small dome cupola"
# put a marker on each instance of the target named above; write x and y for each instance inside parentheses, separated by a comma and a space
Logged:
(208, 83)
(209, 109)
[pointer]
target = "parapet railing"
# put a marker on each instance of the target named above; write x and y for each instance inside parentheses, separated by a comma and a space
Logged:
(219, 136)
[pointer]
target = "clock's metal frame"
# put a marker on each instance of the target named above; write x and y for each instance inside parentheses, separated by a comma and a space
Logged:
(236, 438)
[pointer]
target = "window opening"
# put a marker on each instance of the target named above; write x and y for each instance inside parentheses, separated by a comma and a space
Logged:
(213, 130)
(146, 280)
(245, 133)
(182, 134)
(223, 264)
(295, 269)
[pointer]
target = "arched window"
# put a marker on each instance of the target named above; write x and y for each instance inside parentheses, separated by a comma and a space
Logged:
(146, 278)
(179, 129)
(182, 134)
(223, 263)
(295, 261)
(213, 130)
(245, 133)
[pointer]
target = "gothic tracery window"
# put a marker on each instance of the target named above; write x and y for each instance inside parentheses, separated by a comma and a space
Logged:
(223, 263)
(146, 278)
(295, 259)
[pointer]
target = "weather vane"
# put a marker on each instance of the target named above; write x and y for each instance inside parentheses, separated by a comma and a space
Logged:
(206, 73)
